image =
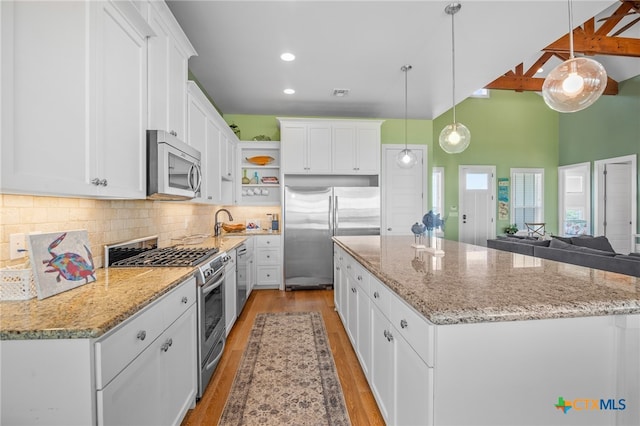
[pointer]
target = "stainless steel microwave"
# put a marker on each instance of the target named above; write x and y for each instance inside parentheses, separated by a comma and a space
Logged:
(173, 168)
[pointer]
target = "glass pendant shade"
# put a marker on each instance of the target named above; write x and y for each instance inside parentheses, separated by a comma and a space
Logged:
(574, 85)
(454, 138)
(406, 159)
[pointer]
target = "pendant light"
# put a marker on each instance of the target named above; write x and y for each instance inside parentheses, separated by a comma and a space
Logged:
(406, 158)
(576, 83)
(455, 137)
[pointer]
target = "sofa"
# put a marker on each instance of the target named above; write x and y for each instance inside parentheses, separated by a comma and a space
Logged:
(584, 250)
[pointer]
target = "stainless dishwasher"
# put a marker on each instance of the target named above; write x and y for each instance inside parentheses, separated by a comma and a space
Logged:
(243, 275)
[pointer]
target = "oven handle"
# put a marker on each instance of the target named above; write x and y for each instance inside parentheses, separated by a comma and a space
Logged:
(209, 288)
(212, 363)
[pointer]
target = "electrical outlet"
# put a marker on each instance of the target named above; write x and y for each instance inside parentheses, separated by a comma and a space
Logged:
(17, 246)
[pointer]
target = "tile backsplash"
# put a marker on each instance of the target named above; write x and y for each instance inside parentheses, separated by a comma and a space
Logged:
(111, 221)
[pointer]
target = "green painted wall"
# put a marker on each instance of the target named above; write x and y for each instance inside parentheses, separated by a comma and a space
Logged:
(607, 129)
(508, 129)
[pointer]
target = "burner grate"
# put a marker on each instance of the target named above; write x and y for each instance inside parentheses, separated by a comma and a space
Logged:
(168, 256)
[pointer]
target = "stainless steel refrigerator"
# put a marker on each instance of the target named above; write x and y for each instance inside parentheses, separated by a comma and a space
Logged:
(312, 215)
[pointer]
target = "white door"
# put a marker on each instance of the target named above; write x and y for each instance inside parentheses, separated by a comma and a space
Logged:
(616, 201)
(574, 199)
(476, 220)
(403, 191)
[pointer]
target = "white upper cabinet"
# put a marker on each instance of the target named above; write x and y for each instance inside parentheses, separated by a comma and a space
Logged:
(356, 148)
(74, 109)
(209, 133)
(169, 53)
(345, 147)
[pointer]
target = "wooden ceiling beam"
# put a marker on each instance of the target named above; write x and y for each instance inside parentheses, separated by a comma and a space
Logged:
(521, 83)
(592, 44)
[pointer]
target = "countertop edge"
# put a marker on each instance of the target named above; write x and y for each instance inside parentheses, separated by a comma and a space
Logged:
(472, 316)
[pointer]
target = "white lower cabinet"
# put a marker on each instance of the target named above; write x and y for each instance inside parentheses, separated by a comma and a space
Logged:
(142, 372)
(268, 259)
(157, 383)
(157, 387)
(399, 376)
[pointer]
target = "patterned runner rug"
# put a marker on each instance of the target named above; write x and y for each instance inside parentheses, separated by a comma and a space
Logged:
(287, 375)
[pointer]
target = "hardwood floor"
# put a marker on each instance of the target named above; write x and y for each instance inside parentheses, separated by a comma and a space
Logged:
(360, 402)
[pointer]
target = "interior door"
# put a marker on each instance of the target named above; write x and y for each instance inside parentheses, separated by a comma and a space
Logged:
(476, 221)
(403, 192)
(616, 217)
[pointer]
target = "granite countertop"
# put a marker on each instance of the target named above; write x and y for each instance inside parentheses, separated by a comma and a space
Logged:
(472, 284)
(92, 309)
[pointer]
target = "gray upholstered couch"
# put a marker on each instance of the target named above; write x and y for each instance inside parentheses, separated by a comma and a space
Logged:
(592, 252)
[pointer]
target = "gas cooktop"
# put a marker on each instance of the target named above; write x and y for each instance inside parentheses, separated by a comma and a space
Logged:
(144, 252)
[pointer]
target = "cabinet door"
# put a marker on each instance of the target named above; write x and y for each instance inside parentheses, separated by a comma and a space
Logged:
(352, 315)
(212, 191)
(319, 148)
(197, 133)
(133, 396)
(44, 108)
(337, 281)
(364, 331)
(382, 363)
(119, 73)
(344, 149)
(169, 51)
(413, 384)
(179, 368)
(367, 149)
(230, 290)
(293, 154)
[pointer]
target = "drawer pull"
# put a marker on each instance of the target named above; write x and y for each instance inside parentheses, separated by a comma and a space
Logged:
(337, 268)
(403, 323)
(166, 345)
(376, 295)
(268, 256)
(359, 277)
(268, 275)
(348, 266)
(142, 335)
(185, 300)
(388, 335)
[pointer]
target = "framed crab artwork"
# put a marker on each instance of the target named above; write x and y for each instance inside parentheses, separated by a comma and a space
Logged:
(60, 261)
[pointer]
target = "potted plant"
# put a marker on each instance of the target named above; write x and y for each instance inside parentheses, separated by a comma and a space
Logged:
(235, 129)
(511, 229)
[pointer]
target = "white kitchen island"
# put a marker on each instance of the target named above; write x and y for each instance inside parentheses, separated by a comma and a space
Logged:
(485, 337)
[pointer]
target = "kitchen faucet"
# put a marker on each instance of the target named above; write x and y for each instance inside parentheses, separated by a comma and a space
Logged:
(218, 225)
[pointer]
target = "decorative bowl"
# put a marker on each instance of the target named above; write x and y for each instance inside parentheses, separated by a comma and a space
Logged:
(260, 160)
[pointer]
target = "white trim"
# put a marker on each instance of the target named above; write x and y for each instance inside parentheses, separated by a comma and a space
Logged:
(383, 190)
(561, 201)
(632, 159)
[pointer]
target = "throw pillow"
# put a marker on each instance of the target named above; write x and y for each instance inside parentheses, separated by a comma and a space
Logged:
(563, 239)
(634, 254)
(598, 243)
(560, 244)
(588, 250)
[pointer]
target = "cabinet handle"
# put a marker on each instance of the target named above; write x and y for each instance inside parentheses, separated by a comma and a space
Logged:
(268, 242)
(173, 132)
(388, 335)
(268, 275)
(359, 277)
(348, 266)
(389, 229)
(403, 323)
(376, 295)
(185, 300)
(337, 268)
(166, 345)
(268, 257)
(99, 182)
(142, 335)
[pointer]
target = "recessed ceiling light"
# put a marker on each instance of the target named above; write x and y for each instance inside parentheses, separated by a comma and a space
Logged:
(288, 57)
(289, 91)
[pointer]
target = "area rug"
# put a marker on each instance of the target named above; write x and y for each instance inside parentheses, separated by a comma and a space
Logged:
(287, 375)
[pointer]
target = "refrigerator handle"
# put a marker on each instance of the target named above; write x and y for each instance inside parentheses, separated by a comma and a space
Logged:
(330, 213)
(336, 219)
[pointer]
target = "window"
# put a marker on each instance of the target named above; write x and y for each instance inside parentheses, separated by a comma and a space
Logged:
(527, 196)
(437, 190)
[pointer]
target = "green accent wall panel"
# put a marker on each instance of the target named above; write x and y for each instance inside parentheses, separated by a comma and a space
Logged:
(607, 129)
(508, 130)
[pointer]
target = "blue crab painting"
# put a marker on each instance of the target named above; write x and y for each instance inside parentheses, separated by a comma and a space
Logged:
(70, 266)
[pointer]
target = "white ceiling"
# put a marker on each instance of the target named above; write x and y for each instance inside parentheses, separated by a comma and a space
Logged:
(361, 46)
